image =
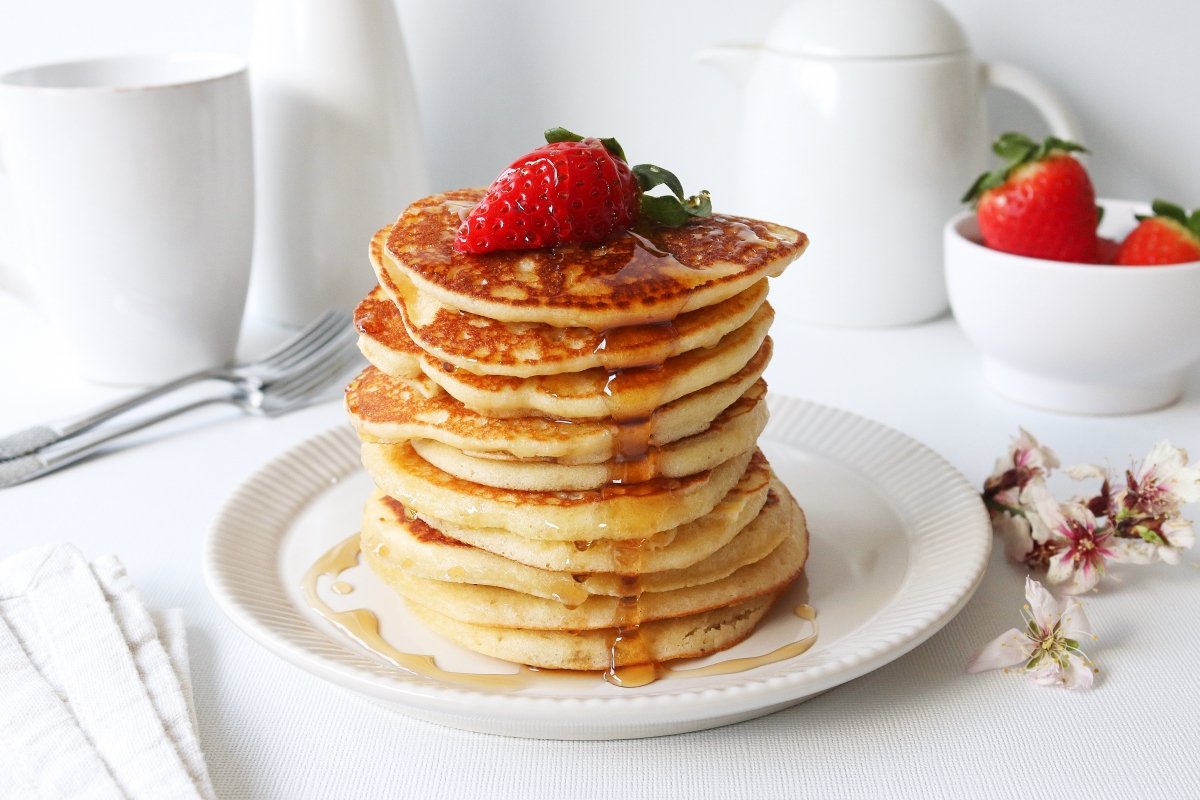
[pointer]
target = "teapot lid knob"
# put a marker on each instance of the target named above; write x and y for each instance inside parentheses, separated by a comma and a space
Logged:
(867, 29)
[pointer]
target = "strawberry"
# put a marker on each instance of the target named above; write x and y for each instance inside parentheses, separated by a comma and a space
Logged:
(1106, 250)
(1040, 203)
(1170, 236)
(572, 189)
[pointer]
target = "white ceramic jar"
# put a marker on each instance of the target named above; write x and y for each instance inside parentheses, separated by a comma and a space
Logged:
(338, 149)
(864, 123)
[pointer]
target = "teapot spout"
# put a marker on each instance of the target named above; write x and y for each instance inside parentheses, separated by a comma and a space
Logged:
(737, 60)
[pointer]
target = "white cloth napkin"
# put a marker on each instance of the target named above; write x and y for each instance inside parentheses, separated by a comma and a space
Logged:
(95, 694)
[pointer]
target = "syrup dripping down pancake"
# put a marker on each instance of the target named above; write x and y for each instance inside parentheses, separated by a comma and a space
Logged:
(414, 546)
(524, 349)
(576, 395)
(628, 512)
(390, 410)
(735, 430)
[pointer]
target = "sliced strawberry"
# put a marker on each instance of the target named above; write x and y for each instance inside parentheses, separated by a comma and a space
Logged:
(1040, 203)
(572, 189)
(1170, 236)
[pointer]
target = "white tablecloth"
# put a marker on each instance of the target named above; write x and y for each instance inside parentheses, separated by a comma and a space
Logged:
(919, 727)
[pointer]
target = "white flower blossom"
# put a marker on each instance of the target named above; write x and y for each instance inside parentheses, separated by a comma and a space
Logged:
(1048, 649)
(1166, 481)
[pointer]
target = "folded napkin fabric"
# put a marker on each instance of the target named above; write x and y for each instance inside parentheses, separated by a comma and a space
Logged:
(95, 694)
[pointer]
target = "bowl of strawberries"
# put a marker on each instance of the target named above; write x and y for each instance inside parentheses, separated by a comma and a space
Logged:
(1076, 305)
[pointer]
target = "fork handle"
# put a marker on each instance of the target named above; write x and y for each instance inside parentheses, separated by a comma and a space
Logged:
(33, 439)
(34, 465)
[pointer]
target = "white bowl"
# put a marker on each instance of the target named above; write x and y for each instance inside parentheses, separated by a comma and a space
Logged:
(1081, 338)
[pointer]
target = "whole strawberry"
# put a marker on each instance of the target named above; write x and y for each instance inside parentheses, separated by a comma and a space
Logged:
(1170, 236)
(572, 189)
(1040, 203)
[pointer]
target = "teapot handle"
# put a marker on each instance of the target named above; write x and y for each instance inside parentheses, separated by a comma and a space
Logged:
(1057, 114)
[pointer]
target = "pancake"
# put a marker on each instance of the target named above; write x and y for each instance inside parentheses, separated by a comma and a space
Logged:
(630, 511)
(674, 548)
(735, 430)
(382, 338)
(412, 545)
(523, 349)
(387, 409)
(598, 393)
(684, 637)
(489, 605)
(645, 275)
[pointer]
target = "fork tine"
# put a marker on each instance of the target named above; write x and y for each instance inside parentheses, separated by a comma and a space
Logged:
(335, 324)
(301, 386)
(316, 330)
(336, 341)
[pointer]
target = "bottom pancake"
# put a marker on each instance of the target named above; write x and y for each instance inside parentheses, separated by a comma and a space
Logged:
(667, 640)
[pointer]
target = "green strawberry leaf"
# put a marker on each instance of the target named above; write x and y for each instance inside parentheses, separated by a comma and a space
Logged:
(1053, 143)
(1099, 215)
(1193, 223)
(664, 210)
(699, 205)
(648, 176)
(1016, 149)
(614, 147)
(1164, 208)
(1013, 146)
(554, 135)
(668, 210)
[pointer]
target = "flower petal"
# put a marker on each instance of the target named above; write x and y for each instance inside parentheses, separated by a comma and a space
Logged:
(1134, 551)
(1061, 567)
(1047, 673)
(1042, 604)
(1179, 533)
(1080, 515)
(1038, 496)
(1086, 576)
(1083, 472)
(1074, 623)
(1078, 674)
(1008, 649)
(1014, 530)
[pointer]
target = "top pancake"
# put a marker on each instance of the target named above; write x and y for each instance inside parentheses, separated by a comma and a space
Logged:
(524, 349)
(645, 275)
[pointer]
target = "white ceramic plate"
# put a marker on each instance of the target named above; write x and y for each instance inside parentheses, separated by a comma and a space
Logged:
(900, 540)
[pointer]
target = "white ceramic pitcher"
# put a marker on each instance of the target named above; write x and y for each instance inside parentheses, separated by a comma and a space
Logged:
(338, 148)
(864, 124)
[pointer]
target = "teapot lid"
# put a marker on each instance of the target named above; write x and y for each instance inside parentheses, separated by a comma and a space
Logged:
(867, 29)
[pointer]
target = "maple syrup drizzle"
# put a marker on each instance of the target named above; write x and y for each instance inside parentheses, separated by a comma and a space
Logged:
(632, 396)
(362, 627)
(341, 587)
(733, 665)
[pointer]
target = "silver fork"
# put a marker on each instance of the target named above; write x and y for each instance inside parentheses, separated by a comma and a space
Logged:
(306, 379)
(330, 326)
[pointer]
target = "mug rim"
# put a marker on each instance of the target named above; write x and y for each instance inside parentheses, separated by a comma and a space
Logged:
(215, 66)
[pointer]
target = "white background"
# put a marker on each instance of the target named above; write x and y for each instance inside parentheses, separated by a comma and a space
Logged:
(492, 75)
(920, 727)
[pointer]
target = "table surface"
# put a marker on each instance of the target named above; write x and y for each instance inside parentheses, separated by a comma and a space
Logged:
(919, 726)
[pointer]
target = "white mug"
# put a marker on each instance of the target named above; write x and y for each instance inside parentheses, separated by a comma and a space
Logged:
(133, 181)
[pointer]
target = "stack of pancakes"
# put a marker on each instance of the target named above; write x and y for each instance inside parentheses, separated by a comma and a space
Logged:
(564, 440)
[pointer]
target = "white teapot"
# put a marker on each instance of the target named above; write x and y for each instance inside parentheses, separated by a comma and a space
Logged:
(864, 124)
